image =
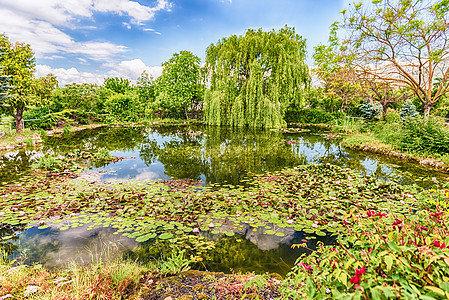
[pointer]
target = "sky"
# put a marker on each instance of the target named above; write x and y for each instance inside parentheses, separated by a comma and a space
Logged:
(88, 40)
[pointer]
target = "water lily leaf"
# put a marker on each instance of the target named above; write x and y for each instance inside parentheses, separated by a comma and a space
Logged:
(166, 236)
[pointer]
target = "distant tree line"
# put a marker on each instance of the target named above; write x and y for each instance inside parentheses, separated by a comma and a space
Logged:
(379, 56)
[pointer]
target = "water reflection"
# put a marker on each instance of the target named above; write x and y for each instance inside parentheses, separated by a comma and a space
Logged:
(211, 154)
(53, 247)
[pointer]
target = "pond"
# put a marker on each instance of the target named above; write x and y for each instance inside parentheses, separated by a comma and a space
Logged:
(215, 156)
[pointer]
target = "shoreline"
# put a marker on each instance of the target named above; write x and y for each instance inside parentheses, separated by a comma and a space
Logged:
(388, 150)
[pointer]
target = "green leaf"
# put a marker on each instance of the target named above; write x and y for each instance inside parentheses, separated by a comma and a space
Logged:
(435, 289)
(389, 261)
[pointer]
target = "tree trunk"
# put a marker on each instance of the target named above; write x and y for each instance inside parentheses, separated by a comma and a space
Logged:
(185, 110)
(384, 111)
(19, 120)
(427, 107)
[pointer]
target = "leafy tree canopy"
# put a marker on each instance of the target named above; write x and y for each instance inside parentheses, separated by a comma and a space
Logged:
(18, 63)
(254, 78)
(179, 87)
(118, 85)
(403, 42)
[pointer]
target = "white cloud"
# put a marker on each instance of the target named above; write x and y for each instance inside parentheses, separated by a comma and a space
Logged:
(130, 69)
(46, 39)
(59, 12)
(136, 11)
(42, 24)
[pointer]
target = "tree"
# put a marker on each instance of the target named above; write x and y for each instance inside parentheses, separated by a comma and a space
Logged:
(4, 80)
(254, 78)
(18, 63)
(403, 42)
(384, 94)
(334, 69)
(83, 96)
(118, 85)
(146, 89)
(179, 87)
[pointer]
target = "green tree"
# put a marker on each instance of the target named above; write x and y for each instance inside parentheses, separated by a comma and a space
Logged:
(403, 42)
(118, 85)
(83, 96)
(333, 69)
(146, 89)
(179, 87)
(254, 78)
(18, 63)
(4, 80)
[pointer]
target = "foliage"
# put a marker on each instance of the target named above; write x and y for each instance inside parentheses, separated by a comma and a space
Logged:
(403, 43)
(255, 78)
(117, 85)
(174, 264)
(18, 63)
(370, 111)
(382, 255)
(98, 281)
(179, 89)
(312, 116)
(408, 110)
(59, 118)
(4, 79)
(49, 162)
(425, 137)
(74, 96)
(146, 89)
(124, 107)
(341, 82)
(102, 154)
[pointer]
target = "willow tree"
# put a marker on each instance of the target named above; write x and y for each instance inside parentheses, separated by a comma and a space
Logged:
(254, 78)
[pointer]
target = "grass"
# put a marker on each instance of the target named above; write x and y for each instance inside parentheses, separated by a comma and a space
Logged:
(390, 138)
(27, 136)
(98, 281)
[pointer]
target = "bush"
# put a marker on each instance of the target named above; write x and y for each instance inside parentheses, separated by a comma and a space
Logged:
(370, 111)
(124, 107)
(382, 255)
(408, 110)
(49, 162)
(311, 116)
(62, 118)
(425, 137)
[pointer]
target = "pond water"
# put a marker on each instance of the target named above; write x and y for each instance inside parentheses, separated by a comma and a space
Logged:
(212, 155)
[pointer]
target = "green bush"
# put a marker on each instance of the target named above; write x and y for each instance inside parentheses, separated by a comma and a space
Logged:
(49, 162)
(312, 116)
(382, 255)
(425, 137)
(370, 111)
(61, 118)
(408, 110)
(124, 107)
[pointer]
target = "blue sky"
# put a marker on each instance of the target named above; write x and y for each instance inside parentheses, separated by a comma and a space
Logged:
(87, 40)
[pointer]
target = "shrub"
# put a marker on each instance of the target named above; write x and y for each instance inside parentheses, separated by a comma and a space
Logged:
(381, 256)
(102, 154)
(370, 111)
(311, 116)
(425, 137)
(408, 110)
(49, 162)
(124, 107)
